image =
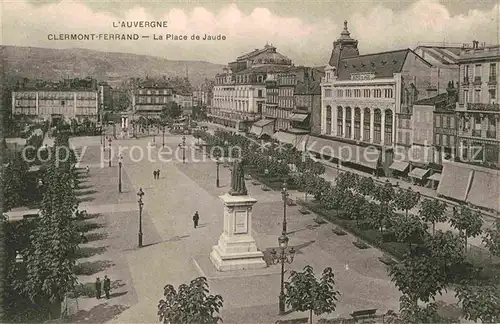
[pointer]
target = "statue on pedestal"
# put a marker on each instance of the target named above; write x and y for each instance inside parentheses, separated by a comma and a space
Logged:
(238, 187)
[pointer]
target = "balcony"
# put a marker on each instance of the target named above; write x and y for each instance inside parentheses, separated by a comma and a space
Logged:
(483, 107)
(477, 80)
(476, 133)
(491, 134)
(465, 81)
(492, 80)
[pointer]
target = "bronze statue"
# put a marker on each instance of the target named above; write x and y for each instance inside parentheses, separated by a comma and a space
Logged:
(238, 187)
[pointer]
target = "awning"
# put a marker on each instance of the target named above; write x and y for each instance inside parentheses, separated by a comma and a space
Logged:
(365, 156)
(435, 177)
(418, 173)
(262, 122)
(400, 166)
(298, 117)
(485, 189)
(454, 181)
(256, 130)
(284, 137)
(301, 142)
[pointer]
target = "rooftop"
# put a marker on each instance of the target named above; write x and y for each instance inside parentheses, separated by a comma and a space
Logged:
(87, 84)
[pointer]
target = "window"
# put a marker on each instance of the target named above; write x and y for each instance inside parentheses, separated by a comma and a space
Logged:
(477, 71)
(477, 96)
(452, 140)
(445, 140)
(466, 73)
(366, 93)
(493, 94)
(259, 93)
(348, 93)
(445, 122)
(452, 122)
(388, 93)
(63, 102)
(438, 121)
(493, 71)
(340, 93)
(357, 93)
(466, 96)
(377, 93)
(436, 139)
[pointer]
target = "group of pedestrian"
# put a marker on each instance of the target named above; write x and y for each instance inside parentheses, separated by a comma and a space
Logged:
(106, 286)
(156, 174)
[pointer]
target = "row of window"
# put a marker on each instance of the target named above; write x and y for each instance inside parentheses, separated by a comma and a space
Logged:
(152, 100)
(444, 121)
(286, 92)
(404, 138)
(476, 98)
(237, 93)
(477, 69)
(157, 92)
(361, 93)
(444, 140)
(286, 80)
(286, 103)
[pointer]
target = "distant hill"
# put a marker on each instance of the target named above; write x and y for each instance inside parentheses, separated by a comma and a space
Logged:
(57, 64)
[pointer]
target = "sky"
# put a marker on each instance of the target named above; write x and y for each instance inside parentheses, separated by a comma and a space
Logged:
(302, 30)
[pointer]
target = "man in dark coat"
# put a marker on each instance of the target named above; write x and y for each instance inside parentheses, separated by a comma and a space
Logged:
(196, 218)
(107, 286)
(158, 174)
(98, 288)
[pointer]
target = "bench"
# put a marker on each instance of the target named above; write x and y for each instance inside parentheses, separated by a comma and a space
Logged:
(366, 313)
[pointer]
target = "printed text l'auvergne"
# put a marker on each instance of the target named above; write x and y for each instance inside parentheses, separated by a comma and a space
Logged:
(141, 24)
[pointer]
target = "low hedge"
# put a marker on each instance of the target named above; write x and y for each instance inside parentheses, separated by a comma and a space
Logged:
(371, 236)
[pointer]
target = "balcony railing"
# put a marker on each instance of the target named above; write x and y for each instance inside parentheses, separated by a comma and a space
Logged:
(491, 134)
(483, 107)
(492, 80)
(477, 80)
(476, 133)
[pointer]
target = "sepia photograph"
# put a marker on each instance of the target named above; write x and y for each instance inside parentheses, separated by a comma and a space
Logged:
(250, 162)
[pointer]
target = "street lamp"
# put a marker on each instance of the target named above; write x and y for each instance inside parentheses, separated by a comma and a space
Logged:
(120, 161)
(163, 140)
(218, 162)
(283, 257)
(140, 193)
(285, 195)
(109, 153)
(183, 146)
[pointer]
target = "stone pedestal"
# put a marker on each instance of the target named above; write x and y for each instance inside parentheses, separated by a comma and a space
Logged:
(237, 249)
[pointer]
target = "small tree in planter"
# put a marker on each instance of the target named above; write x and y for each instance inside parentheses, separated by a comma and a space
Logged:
(467, 223)
(305, 292)
(432, 210)
(190, 304)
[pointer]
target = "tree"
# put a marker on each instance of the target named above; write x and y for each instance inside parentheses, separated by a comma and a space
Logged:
(14, 179)
(352, 206)
(170, 112)
(479, 302)
(409, 229)
(416, 314)
(432, 210)
(467, 223)
(51, 257)
(492, 238)
(190, 304)
(304, 292)
(366, 186)
(406, 199)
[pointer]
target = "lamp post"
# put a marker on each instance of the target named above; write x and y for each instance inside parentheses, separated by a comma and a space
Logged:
(109, 153)
(140, 193)
(163, 140)
(183, 146)
(120, 161)
(283, 257)
(284, 194)
(218, 163)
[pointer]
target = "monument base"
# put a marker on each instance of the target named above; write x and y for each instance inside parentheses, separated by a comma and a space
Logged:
(237, 253)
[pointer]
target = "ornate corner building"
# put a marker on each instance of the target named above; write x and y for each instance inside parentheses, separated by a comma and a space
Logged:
(239, 94)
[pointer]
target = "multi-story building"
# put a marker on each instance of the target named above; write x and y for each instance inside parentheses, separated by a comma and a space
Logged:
(362, 95)
(77, 98)
(148, 97)
(204, 94)
(185, 101)
(478, 109)
(240, 92)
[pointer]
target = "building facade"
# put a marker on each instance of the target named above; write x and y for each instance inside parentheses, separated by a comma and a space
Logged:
(478, 112)
(70, 99)
(239, 94)
(363, 94)
(148, 97)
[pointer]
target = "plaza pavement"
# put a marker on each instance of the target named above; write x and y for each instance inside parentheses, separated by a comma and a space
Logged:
(174, 251)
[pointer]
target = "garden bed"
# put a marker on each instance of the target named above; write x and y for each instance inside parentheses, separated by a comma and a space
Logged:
(338, 231)
(360, 244)
(304, 211)
(319, 220)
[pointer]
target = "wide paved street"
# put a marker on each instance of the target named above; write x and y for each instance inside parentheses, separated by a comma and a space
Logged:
(175, 253)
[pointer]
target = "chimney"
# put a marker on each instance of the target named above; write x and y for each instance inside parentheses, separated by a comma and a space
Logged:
(452, 93)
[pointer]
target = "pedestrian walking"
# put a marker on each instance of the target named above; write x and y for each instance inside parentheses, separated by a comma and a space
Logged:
(107, 286)
(158, 174)
(98, 288)
(154, 174)
(87, 169)
(196, 218)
